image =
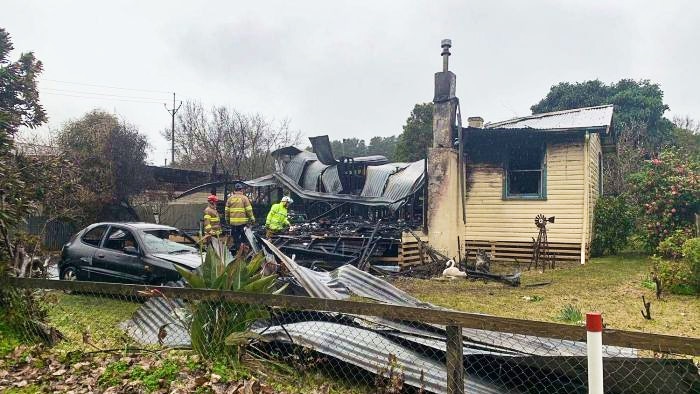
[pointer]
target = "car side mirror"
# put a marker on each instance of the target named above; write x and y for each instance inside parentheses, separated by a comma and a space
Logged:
(131, 250)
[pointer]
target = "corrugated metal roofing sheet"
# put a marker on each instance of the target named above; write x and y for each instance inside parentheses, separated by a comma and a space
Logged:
(266, 180)
(404, 183)
(579, 118)
(331, 180)
(295, 167)
(377, 176)
(312, 175)
(312, 195)
(371, 160)
(370, 351)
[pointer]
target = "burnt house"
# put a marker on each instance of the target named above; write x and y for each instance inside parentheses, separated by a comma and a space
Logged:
(488, 182)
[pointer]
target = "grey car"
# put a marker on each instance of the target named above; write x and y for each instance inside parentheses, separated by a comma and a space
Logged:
(142, 253)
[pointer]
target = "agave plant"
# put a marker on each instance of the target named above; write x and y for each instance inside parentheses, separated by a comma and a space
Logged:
(217, 328)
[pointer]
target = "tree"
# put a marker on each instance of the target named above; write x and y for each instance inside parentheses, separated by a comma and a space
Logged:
(636, 102)
(19, 106)
(686, 135)
(385, 146)
(349, 147)
(639, 127)
(112, 158)
(238, 143)
(19, 98)
(417, 136)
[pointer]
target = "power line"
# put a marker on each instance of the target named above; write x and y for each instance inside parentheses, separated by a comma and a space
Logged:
(103, 94)
(103, 86)
(103, 98)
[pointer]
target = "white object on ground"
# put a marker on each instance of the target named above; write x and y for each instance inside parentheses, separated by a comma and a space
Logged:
(452, 271)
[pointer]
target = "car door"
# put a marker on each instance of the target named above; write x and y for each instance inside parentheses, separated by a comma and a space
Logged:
(80, 254)
(119, 258)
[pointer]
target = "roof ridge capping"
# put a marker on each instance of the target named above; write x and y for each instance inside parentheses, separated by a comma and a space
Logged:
(577, 118)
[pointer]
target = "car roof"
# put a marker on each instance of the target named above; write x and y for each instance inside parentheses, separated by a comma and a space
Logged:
(137, 225)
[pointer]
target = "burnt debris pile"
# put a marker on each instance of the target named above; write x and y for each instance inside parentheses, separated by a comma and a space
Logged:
(330, 243)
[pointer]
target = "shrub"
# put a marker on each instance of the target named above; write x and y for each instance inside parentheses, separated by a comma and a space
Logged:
(668, 190)
(220, 328)
(613, 222)
(676, 275)
(672, 246)
(691, 254)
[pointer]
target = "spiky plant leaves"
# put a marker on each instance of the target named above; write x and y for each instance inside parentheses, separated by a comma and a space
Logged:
(194, 280)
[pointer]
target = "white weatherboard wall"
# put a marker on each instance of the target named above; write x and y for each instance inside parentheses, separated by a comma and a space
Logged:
(491, 218)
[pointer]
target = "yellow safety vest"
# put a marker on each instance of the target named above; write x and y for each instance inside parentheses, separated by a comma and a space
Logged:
(239, 211)
(212, 223)
(277, 218)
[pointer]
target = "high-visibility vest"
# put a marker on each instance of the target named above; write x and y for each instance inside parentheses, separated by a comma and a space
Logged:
(238, 209)
(212, 223)
(277, 218)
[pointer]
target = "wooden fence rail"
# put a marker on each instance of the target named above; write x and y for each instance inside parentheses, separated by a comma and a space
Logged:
(612, 337)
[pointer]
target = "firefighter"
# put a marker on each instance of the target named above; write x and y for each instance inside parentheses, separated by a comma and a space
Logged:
(277, 218)
(239, 213)
(212, 223)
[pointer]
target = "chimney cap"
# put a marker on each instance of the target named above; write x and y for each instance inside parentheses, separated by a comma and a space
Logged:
(446, 43)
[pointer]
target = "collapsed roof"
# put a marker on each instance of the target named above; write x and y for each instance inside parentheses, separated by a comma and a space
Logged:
(366, 180)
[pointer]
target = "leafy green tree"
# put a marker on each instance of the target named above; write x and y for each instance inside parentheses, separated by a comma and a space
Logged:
(417, 136)
(686, 135)
(636, 102)
(19, 106)
(349, 147)
(19, 97)
(385, 146)
(112, 158)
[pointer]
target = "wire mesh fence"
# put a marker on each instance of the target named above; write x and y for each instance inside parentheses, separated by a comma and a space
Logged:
(374, 347)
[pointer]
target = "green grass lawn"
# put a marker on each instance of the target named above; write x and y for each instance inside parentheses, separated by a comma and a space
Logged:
(98, 316)
(611, 285)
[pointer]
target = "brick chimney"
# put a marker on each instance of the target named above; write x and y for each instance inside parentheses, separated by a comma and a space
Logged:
(444, 207)
(476, 122)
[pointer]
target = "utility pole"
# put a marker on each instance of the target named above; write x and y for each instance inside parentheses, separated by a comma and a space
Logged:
(172, 112)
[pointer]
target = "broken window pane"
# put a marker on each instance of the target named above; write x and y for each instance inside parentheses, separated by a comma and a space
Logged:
(524, 182)
(525, 172)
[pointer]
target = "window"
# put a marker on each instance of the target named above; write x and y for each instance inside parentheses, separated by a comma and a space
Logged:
(525, 173)
(94, 236)
(168, 241)
(118, 239)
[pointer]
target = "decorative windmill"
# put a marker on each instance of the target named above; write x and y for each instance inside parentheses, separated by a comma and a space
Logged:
(540, 247)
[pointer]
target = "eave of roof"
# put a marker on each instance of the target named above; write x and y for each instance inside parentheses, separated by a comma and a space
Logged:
(593, 119)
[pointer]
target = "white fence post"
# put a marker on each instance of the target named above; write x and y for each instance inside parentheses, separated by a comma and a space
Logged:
(594, 342)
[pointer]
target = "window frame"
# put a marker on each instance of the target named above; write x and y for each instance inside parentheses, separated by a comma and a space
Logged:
(137, 245)
(542, 194)
(99, 243)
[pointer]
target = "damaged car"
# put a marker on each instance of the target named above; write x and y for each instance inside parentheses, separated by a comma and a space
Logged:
(139, 253)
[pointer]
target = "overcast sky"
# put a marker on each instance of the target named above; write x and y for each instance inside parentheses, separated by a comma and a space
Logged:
(346, 69)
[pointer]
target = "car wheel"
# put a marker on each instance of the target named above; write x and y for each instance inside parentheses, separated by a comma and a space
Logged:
(69, 274)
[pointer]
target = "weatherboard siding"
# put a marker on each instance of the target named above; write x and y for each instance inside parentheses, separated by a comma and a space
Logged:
(491, 218)
(595, 173)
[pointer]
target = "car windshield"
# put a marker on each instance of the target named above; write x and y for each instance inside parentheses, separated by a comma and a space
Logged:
(168, 241)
